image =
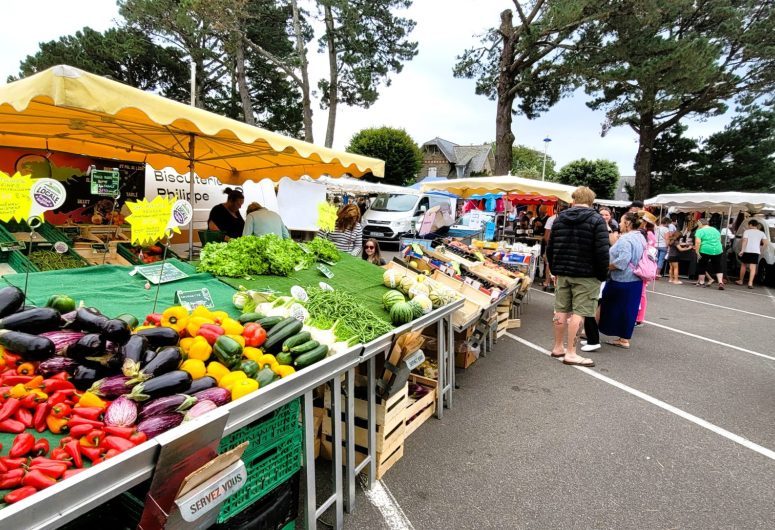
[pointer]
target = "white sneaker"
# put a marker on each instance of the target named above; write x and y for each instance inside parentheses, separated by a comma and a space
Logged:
(583, 342)
(591, 347)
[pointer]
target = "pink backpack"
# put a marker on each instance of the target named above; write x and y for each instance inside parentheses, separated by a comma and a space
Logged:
(646, 269)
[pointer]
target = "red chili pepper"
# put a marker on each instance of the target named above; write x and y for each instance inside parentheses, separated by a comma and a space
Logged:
(22, 445)
(70, 472)
(60, 454)
(12, 380)
(29, 401)
(39, 418)
(90, 413)
(51, 469)
(40, 448)
(11, 360)
(138, 438)
(64, 441)
(121, 432)
(154, 319)
(93, 439)
(38, 480)
(9, 407)
(13, 463)
(210, 332)
(11, 479)
(119, 444)
(61, 410)
(12, 426)
(43, 460)
(19, 494)
(24, 416)
(3, 469)
(254, 334)
(74, 451)
(60, 396)
(92, 453)
(62, 376)
(54, 384)
(80, 430)
(77, 420)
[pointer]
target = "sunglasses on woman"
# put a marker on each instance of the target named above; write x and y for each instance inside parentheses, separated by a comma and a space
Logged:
(372, 247)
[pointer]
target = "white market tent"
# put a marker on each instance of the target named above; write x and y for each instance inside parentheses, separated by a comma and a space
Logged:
(355, 186)
(506, 184)
(613, 204)
(720, 202)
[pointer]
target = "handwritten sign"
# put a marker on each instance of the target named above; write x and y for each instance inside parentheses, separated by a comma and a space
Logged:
(192, 299)
(326, 216)
(22, 197)
(160, 273)
(105, 182)
(150, 221)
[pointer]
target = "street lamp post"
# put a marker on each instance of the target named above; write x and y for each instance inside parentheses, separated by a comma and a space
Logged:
(546, 145)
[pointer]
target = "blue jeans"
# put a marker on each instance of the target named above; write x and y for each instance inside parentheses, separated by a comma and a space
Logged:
(661, 254)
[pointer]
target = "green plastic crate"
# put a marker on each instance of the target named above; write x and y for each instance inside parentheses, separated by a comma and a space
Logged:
(17, 261)
(267, 471)
(70, 252)
(264, 431)
(49, 232)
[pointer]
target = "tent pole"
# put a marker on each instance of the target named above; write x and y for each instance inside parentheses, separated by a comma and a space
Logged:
(191, 199)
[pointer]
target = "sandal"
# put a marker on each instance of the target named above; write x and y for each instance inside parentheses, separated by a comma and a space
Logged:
(618, 344)
(558, 355)
(739, 282)
(582, 361)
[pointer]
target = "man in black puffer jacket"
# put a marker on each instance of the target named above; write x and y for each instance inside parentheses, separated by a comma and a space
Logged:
(577, 254)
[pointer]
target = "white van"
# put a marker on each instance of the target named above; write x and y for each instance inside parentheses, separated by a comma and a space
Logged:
(393, 215)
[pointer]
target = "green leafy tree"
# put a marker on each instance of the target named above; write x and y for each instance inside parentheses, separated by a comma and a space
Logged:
(599, 175)
(124, 54)
(522, 62)
(674, 162)
(401, 154)
(660, 61)
(529, 163)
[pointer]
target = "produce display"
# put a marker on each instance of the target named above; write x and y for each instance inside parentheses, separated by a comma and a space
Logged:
(424, 295)
(149, 254)
(341, 311)
(267, 254)
(49, 260)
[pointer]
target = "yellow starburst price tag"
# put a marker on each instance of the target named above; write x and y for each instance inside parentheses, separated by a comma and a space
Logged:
(150, 221)
(326, 216)
(15, 198)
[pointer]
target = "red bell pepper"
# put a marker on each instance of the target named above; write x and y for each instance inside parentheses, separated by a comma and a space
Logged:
(11, 479)
(93, 439)
(24, 416)
(53, 384)
(80, 430)
(154, 319)
(77, 420)
(10, 406)
(70, 472)
(210, 332)
(40, 448)
(39, 418)
(19, 494)
(74, 451)
(53, 470)
(92, 453)
(90, 413)
(254, 334)
(61, 410)
(119, 444)
(12, 426)
(13, 463)
(38, 480)
(138, 438)
(121, 432)
(22, 445)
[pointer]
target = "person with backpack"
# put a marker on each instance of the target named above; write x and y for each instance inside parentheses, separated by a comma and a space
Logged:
(622, 293)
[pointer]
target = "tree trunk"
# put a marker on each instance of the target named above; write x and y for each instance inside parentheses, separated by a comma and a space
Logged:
(306, 101)
(647, 135)
(333, 73)
(504, 137)
(242, 84)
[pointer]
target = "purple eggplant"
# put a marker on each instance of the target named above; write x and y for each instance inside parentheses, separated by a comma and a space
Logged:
(31, 347)
(91, 320)
(37, 320)
(166, 360)
(161, 423)
(160, 337)
(11, 299)
(148, 356)
(84, 376)
(112, 387)
(121, 413)
(200, 409)
(132, 354)
(163, 405)
(162, 385)
(219, 396)
(90, 345)
(62, 339)
(203, 383)
(56, 365)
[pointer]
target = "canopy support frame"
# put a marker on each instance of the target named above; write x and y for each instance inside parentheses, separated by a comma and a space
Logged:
(191, 196)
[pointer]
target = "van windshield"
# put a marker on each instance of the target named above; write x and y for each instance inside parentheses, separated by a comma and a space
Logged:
(394, 202)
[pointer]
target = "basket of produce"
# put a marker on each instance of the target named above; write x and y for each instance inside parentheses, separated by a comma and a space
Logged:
(45, 232)
(139, 255)
(45, 258)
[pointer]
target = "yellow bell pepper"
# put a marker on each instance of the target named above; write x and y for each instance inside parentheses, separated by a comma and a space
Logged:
(42, 396)
(228, 380)
(89, 399)
(201, 311)
(200, 349)
(185, 344)
(266, 360)
(175, 317)
(216, 370)
(231, 326)
(138, 328)
(195, 322)
(219, 316)
(243, 387)
(18, 391)
(254, 354)
(238, 338)
(194, 367)
(283, 370)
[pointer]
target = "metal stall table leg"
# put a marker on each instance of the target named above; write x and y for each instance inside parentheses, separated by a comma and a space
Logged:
(370, 459)
(441, 354)
(349, 414)
(451, 363)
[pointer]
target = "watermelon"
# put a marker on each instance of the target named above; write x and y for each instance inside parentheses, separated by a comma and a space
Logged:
(401, 313)
(391, 279)
(419, 289)
(416, 309)
(424, 303)
(391, 298)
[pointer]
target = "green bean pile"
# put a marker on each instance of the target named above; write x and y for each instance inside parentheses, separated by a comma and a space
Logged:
(48, 260)
(354, 321)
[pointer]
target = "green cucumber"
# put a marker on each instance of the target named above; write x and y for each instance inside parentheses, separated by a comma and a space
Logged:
(299, 338)
(275, 342)
(311, 357)
(284, 358)
(305, 347)
(280, 325)
(269, 322)
(250, 317)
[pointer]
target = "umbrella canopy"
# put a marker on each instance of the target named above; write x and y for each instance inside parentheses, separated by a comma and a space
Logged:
(715, 202)
(66, 109)
(507, 184)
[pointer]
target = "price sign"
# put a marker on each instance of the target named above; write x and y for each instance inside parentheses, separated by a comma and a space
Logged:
(325, 271)
(105, 182)
(160, 273)
(72, 232)
(195, 298)
(9, 247)
(150, 220)
(326, 216)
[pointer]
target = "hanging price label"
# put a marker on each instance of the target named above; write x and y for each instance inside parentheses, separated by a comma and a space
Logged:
(22, 197)
(152, 221)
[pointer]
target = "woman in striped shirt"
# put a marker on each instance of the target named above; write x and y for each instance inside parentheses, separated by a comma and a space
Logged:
(348, 234)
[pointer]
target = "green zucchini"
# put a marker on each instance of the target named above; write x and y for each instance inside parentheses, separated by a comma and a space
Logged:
(284, 358)
(279, 326)
(311, 357)
(250, 317)
(305, 347)
(269, 322)
(299, 338)
(287, 331)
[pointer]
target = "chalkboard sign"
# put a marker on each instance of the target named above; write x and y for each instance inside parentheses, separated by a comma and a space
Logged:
(169, 273)
(195, 298)
(100, 248)
(72, 232)
(105, 182)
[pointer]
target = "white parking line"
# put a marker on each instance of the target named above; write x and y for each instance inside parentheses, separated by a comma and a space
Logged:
(714, 305)
(706, 339)
(661, 404)
(383, 500)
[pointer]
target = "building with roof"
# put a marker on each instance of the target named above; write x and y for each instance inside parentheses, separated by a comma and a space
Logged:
(625, 181)
(442, 158)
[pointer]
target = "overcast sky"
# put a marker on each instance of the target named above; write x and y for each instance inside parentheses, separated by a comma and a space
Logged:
(425, 99)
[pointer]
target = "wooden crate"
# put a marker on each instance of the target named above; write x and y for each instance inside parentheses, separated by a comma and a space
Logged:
(391, 428)
(316, 426)
(418, 411)
(475, 300)
(465, 358)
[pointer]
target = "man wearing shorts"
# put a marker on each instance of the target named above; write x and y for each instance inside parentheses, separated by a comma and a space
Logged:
(577, 253)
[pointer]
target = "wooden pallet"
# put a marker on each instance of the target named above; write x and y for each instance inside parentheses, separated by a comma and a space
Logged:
(418, 411)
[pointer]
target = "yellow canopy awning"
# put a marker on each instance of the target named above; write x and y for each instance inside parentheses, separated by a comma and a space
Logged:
(66, 109)
(480, 185)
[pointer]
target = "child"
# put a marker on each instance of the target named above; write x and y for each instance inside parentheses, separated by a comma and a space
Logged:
(675, 247)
